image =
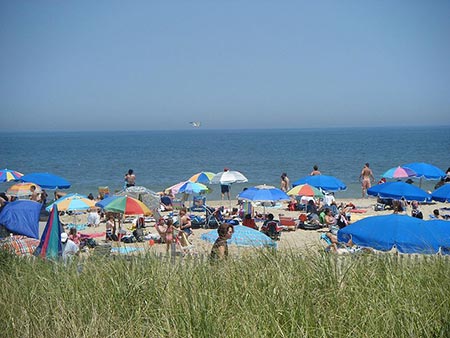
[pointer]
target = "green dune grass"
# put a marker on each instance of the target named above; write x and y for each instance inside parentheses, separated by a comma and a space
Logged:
(262, 294)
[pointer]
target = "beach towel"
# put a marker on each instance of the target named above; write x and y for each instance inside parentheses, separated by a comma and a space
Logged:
(126, 249)
(94, 235)
(358, 211)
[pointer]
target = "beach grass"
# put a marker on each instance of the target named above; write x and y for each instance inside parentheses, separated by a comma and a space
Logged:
(260, 294)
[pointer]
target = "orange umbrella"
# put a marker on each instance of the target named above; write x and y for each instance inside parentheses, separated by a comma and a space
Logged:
(22, 189)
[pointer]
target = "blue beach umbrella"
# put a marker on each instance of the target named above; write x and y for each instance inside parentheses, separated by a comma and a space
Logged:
(407, 234)
(22, 217)
(399, 190)
(324, 182)
(264, 193)
(442, 194)
(46, 180)
(425, 170)
(243, 236)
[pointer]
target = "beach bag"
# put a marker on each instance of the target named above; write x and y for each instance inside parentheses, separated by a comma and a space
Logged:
(129, 239)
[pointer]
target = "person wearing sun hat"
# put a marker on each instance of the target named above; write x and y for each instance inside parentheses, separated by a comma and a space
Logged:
(69, 248)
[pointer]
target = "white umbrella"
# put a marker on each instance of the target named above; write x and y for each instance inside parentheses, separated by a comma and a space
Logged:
(228, 177)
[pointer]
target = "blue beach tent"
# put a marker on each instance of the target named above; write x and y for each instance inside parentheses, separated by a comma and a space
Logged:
(22, 217)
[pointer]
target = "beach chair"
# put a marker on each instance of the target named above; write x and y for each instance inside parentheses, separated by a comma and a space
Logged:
(177, 204)
(213, 218)
(198, 204)
(183, 243)
(288, 223)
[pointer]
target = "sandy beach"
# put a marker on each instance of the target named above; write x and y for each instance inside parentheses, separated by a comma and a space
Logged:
(301, 241)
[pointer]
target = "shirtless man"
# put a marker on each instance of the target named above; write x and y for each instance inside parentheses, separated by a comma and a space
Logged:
(34, 195)
(130, 178)
(366, 178)
(315, 171)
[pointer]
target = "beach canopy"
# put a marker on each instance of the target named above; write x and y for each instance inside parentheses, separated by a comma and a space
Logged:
(442, 194)
(425, 170)
(399, 190)
(50, 245)
(46, 180)
(22, 217)
(263, 193)
(324, 182)
(243, 236)
(7, 175)
(407, 234)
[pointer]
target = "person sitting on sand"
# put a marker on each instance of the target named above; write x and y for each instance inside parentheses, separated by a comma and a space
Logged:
(436, 214)
(34, 195)
(249, 222)
(93, 218)
(166, 203)
(398, 206)
(415, 212)
(185, 222)
(74, 236)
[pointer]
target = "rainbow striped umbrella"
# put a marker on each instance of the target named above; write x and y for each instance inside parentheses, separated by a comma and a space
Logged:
(305, 190)
(22, 189)
(203, 177)
(50, 245)
(7, 175)
(128, 206)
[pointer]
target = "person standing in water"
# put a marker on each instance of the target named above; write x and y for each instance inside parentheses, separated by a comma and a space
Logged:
(285, 183)
(366, 178)
(130, 178)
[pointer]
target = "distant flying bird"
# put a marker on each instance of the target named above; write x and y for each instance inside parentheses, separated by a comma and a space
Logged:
(195, 124)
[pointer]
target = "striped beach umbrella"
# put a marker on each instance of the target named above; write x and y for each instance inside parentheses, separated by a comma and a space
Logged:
(399, 172)
(72, 202)
(50, 245)
(305, 190)
(7, 175)
(203, 177)
(128, 206)
(22, 189)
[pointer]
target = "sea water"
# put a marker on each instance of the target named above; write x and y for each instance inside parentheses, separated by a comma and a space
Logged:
(163, 158)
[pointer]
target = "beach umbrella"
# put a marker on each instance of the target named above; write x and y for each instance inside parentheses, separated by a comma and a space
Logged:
(399, 172)
(22, 189)
(263, 193)
(7, 175)
(46, 180)
(22, 217)
(399, 190)
(407, 234)
(305, 190)
(127, 205)
(106, 201)
(425, 170)
(442, 194)
(150, 198)
(228, 177)
(243, 236)
(324, 182)
(50, 245)
(203, 177)
(188, 187)
(72, 202)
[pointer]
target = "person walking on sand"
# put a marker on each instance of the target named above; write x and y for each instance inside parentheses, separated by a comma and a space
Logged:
(315, 171)
(130, 178)
(366, 178)
(285, 184)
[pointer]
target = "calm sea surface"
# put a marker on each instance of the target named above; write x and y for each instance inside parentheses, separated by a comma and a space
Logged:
(162, 158)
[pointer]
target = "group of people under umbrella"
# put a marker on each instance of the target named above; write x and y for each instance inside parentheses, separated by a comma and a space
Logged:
(124, 203)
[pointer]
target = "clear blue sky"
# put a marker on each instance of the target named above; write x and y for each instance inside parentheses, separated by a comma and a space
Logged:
(99, 65)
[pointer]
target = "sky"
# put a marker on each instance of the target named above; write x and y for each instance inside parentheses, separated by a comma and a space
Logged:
(157, 65)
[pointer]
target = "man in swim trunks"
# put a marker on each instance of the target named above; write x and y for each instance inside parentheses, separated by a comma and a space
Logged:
(366, 178)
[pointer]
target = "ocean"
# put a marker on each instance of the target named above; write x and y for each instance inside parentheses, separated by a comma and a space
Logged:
(163, 158)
